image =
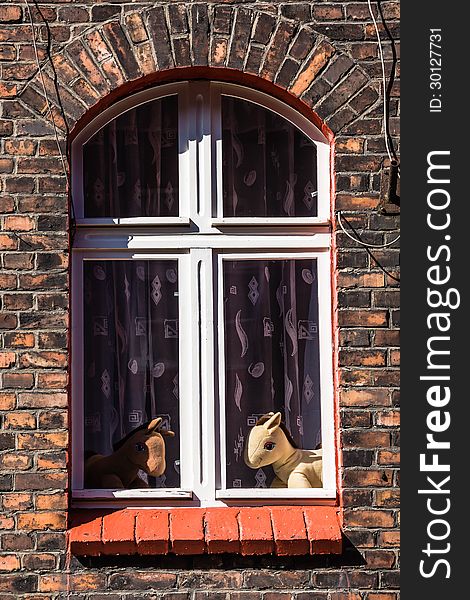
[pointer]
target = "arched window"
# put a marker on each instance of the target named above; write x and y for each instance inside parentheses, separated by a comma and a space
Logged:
(201, 292)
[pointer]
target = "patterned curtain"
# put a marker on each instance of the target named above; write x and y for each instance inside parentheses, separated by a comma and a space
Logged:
(131, 353)
(270, 167)
(130, 166)
(271, 354)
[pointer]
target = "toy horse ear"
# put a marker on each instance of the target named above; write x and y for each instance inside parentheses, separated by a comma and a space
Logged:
(273, 422)
(167, 432)
(153, 424)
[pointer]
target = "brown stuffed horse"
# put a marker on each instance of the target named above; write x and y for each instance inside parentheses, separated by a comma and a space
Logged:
(142, 449)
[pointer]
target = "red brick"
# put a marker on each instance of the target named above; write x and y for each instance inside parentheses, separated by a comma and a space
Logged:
(43, 359)
(388, 457)
(19, 340)
(290, 536)
(7, 401)
(256, 533)
(8, 242)
(10, 14)
(323, 531)
(20, 147)
(18, 380)
(389, 418)
(41, 521)
(221, 530)
(365, 398)
(43, 400)
(81, 582)
(320, 57)
(7, 360)
(152, 531)
(41, 481)
(136, 28)
(389, 539)
(56, 501)
(187, 530)
(55, 460)
(85, 533)
(52, 380)
(15, 461)
(9, 562)
(19, 420)
(42, 441)
(369, 518)
(17, 501)
(118, 532)
(7, 281)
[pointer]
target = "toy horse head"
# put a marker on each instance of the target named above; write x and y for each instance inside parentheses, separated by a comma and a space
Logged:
(144, 447)
(268, 441)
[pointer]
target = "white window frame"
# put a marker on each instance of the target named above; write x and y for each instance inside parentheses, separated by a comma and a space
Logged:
(200, 238)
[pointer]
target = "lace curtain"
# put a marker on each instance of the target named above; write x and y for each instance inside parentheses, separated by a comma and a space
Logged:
(272, 356)
(131, 353)
(130, 166)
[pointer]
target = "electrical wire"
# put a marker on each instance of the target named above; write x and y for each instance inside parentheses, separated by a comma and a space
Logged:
(393, 160)
(370, 253)
(48, 104)
(359, 241)
(356, 238)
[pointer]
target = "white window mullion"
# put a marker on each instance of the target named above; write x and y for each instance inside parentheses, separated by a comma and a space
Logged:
(77, 333)
(187, 375)
(185, 156)
(202, 383)
(200, 153)
(217, 164)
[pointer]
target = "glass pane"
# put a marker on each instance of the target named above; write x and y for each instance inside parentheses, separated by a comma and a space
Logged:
(131, 370)
(270, 167)
(130, 166)
(272, 360)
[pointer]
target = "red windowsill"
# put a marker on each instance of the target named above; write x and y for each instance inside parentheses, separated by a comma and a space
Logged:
(285, 530)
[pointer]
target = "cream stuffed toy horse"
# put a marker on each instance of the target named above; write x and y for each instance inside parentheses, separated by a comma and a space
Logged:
(142, 449)
(270, 443)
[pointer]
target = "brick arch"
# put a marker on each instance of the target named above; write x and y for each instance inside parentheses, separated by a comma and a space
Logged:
(163, 42)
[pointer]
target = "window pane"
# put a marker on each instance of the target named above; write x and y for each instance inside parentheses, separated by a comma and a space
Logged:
(272, 356)
(130, 166)
(270, 167)
(131, 357)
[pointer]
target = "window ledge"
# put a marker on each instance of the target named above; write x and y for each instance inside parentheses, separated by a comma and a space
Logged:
(292, 530)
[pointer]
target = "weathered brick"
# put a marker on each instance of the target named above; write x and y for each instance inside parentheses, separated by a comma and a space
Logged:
(122, 49)
(322, 53)
(277, 49)
(18, 380)
(199, 31)
(136, 28)
(263, 28)
(82, 58)
(160, 37)
(10, 14)
(342, 92)
(239, 45)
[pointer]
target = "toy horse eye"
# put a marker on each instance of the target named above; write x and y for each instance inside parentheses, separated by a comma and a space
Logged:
(269, 446)
(140, 447)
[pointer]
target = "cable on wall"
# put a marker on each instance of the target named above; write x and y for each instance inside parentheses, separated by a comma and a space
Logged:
(48, 104)
(388, 144)
(366, 246)
(358, 240)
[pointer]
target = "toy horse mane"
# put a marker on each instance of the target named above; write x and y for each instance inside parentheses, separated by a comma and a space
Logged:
(122, 441)
(265, 418)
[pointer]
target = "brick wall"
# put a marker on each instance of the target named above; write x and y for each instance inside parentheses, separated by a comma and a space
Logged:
(325, 54)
